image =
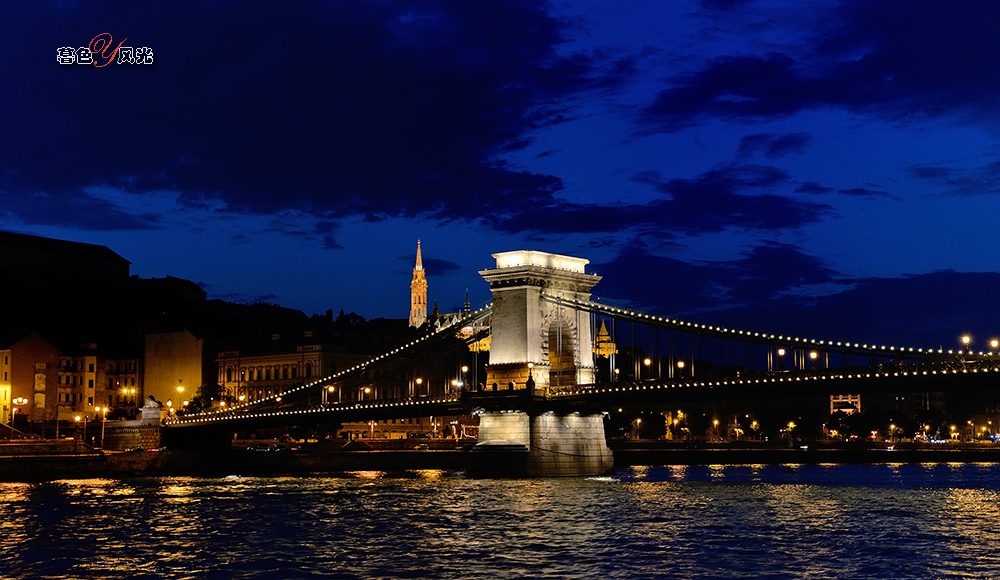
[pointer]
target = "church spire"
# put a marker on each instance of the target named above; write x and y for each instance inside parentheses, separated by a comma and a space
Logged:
(418, 293)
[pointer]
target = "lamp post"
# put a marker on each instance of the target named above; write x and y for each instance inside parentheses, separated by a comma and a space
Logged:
(84, 429)
(781, 359)
(419, 382)
(647, 362)
(17, 401)
(966, 339)
(104, 419)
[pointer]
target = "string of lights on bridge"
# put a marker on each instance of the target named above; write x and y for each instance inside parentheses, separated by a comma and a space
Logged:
(243, 411)
(746, 334)
(633, 386)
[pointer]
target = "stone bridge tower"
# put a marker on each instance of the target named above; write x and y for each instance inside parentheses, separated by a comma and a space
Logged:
(556, 340)
(521, 431)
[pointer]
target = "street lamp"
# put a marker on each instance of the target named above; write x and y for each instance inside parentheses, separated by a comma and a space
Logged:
(84, 429)
(994, 344)
(647, 362)
(17, 401)
(104, 419)
(966, 339)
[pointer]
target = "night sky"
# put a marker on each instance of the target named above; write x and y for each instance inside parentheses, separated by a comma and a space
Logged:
(828, 169)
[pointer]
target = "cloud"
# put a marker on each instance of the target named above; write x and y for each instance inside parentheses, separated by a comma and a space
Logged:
(75, 208)
(436, 267)
(811, 187)
(371, 109)
(960, 181)
(893, 59)
(773, 146)
(765, 273)
(728, 196)
(865, 192)
(241, 298)
(433, 266)
(724, 5)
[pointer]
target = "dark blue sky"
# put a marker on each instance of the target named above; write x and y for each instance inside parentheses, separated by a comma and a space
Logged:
(828, 170)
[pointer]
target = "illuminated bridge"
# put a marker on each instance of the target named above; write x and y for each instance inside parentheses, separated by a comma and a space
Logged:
(556, 352)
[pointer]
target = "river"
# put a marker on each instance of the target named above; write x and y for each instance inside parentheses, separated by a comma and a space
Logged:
(764, 521)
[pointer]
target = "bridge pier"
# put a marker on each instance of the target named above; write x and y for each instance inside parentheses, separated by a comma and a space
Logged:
(546, 444)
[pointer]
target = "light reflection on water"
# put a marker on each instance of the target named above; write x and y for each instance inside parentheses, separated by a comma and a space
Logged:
(751, 521)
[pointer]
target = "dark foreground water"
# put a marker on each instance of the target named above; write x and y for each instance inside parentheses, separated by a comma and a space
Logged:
(823, 521)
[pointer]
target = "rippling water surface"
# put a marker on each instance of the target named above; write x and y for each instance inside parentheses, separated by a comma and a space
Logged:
(832, 521)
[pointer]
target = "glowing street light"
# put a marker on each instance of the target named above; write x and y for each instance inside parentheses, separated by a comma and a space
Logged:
(84, 428)
(966, 339)
(18, 401)
(104, 419)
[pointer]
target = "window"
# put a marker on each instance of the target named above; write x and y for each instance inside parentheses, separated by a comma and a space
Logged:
(90, 368)
(309, 370)
(295, 372)
(90, 384)
(90, 401)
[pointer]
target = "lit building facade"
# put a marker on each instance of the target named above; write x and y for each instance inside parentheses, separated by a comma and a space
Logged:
(63, 383)
(847, 403)
(248, 377)
(175, 365)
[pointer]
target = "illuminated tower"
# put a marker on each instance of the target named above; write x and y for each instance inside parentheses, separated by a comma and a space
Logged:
(418, 293)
